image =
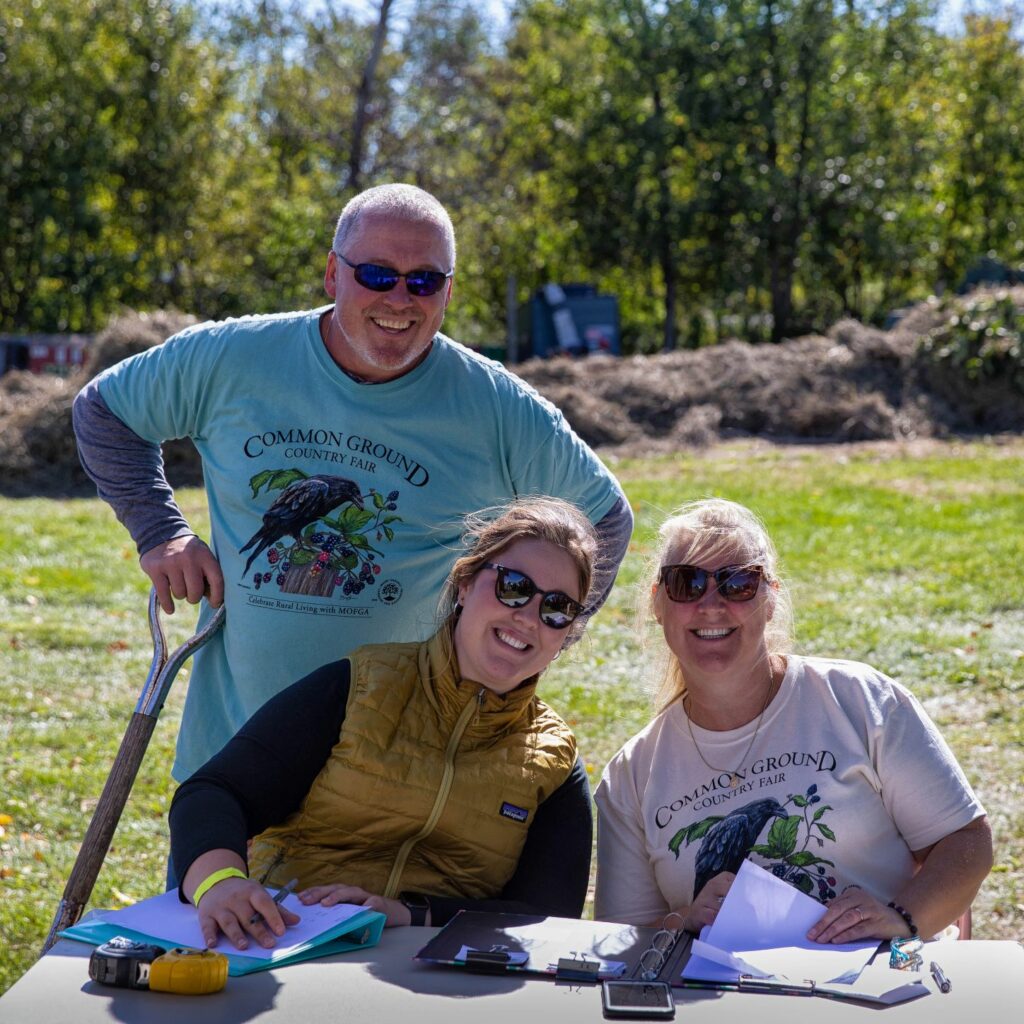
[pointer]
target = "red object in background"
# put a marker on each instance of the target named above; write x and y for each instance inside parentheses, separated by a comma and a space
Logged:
(55, 357)
(43, 353)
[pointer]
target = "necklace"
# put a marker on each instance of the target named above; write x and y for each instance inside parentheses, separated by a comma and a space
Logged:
(734, 778)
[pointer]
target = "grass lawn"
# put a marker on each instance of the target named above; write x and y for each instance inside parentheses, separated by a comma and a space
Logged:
(905, 557)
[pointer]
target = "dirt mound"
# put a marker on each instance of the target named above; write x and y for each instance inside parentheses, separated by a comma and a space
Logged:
(950, 366)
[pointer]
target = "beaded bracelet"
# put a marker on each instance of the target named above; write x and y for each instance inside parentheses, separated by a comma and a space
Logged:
(908, 920)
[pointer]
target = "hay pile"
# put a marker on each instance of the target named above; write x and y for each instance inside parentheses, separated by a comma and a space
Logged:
(37, 446)
(855, 383)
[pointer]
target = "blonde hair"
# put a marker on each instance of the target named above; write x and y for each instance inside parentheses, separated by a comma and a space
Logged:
(490, 531)
(705, 532)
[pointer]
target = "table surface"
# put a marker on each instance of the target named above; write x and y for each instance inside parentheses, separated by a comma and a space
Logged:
(384, 985)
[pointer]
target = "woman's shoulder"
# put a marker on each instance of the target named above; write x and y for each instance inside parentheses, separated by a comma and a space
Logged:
(846, 680)
(640, 749)
(547, 721)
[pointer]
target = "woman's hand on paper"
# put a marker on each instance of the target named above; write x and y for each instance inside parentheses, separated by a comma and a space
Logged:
(857, 915)
(704, 909)
(230, 907)
(396, 912)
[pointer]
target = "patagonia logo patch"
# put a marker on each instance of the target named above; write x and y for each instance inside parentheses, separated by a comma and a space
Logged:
(515, 813)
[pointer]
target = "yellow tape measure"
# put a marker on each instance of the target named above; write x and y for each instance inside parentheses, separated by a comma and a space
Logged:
(126, 963)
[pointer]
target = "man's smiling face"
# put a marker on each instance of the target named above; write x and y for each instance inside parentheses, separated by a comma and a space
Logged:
(381, 335)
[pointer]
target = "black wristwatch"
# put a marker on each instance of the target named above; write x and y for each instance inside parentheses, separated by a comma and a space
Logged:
(417, 904)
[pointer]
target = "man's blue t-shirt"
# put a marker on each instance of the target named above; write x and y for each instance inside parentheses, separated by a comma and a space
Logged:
(371, 483)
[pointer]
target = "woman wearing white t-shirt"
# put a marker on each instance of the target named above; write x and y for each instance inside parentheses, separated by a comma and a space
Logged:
(825, 772)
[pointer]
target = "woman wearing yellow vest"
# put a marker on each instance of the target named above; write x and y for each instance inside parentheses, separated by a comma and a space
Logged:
(417, 779)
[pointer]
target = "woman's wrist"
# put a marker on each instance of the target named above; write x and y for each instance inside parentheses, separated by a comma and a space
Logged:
(908, 920)
(212, 879)
(196, 881)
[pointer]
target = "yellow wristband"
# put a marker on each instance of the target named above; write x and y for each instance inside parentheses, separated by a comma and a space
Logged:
(211, 880)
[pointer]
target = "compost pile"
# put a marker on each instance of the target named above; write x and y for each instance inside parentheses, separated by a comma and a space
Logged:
(950, 367)
(944, 370)
(37, 446)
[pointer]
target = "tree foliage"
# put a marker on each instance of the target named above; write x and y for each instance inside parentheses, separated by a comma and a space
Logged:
(725, 167)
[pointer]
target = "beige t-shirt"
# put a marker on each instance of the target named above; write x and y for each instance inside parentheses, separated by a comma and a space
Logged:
(845, 777)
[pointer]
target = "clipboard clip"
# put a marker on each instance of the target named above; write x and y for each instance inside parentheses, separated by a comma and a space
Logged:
(778, 986)
(488, 961)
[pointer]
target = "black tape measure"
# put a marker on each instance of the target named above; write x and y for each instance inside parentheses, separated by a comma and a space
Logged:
(125, 963)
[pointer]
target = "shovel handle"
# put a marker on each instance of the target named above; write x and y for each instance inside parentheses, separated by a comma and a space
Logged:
(126, 766)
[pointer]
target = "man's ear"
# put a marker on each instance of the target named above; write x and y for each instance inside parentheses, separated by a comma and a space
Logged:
(330, 274)
(449, 288)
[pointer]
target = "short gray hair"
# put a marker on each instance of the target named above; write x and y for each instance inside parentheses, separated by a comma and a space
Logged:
(404, 201)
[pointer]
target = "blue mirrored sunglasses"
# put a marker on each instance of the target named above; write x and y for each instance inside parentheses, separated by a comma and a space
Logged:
(382, 279)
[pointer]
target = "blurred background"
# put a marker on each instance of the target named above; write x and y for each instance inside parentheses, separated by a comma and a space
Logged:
(755, 169)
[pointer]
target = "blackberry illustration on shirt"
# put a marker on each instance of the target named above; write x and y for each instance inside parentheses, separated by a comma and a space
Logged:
(327, 551)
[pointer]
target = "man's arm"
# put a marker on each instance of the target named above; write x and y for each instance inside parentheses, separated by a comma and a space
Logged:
(129, 475)
(614, 530)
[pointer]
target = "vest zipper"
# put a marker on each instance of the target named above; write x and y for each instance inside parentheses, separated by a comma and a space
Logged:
(273, 864)
(443, 791)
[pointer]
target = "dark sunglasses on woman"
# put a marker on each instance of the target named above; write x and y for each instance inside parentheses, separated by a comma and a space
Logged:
(687, 583)
(515, 589)
(382, 279)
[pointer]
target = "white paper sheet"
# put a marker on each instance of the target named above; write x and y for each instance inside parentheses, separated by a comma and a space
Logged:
(166, 918)
(761, 929)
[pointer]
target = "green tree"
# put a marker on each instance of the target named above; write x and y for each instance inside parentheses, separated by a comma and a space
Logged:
(980, 129)
(110, 112)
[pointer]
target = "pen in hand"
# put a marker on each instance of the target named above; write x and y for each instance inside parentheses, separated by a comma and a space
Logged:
(940, 979)
(281, 893)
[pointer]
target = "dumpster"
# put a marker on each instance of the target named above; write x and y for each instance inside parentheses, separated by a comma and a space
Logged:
(571, 319)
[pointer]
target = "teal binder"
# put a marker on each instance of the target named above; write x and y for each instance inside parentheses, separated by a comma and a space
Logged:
(165, 921)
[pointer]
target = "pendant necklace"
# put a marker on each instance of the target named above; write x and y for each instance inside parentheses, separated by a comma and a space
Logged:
(734, 778)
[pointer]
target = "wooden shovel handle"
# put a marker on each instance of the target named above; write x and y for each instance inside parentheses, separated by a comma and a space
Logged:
(126, 765)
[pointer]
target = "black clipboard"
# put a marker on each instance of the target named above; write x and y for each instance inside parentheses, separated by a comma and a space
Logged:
(556, 947)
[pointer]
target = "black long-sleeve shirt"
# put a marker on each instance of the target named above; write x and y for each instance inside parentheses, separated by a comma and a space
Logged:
(265, 771)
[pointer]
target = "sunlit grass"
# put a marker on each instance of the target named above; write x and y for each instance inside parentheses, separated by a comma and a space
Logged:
(907, 559)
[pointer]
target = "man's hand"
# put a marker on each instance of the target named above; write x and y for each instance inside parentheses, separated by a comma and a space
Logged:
(396, 912)
(186, 569)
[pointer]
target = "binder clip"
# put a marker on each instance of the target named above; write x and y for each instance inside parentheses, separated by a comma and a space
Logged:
(490, 962)
(573, 969)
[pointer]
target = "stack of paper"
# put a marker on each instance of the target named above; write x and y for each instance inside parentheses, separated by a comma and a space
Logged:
(166, 921)
(760, 932)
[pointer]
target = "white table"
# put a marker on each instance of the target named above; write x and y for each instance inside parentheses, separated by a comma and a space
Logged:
(384, 986)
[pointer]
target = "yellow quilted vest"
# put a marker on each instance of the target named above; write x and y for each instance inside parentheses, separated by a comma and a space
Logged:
(431, 786)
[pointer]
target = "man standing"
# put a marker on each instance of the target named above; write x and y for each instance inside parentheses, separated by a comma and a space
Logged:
(341, 446)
